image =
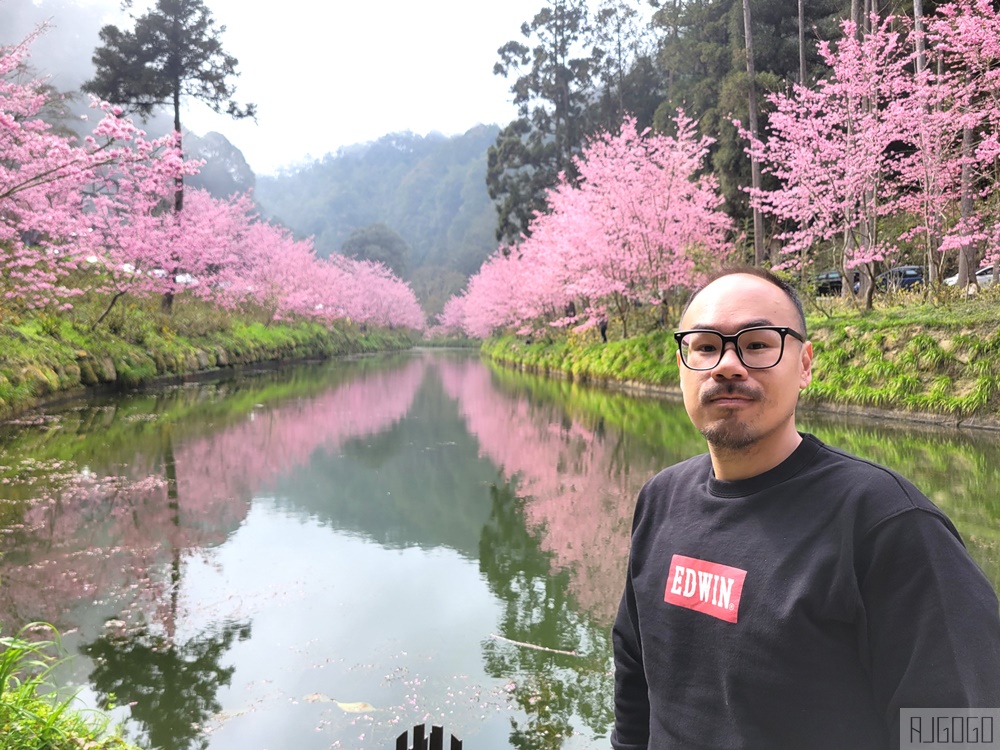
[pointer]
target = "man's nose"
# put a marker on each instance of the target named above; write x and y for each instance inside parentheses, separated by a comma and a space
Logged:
(730, 366)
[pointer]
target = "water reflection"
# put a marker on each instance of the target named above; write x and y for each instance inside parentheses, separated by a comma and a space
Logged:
(92, 525)
(171, 687)
(552, 684)
(443, 540)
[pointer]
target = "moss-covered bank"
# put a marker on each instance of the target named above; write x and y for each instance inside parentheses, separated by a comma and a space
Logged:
(42, 360)
(915, 362)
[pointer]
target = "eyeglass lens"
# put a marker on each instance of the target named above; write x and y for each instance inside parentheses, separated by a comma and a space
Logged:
(757, 348)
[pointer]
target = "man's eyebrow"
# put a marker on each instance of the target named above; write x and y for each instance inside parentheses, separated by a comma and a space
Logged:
(745, 324)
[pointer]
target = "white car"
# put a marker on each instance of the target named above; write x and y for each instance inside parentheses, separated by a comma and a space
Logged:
(984, 277)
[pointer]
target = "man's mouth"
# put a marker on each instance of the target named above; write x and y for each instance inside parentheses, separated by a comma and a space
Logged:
(731, 394)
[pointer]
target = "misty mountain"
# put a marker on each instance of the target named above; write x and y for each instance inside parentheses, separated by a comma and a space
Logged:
(418, 204)
(225, 172)
(430, 190)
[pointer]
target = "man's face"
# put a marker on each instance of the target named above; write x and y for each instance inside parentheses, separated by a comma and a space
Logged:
(733, 406)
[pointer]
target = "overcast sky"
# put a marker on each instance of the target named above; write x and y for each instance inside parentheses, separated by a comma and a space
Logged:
(323, 73)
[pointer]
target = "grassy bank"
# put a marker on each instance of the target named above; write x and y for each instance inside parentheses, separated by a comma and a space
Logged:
(32, 717)
(42, 357)
(912, 357)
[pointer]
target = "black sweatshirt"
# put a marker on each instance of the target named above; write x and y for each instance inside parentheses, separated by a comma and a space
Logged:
(798, 609)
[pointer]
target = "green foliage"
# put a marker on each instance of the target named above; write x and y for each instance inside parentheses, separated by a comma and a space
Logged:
(572, 75)
(646, 359)
(451, 342)
(137, 343)
(703, 54)
(32, 717)
(380, 244)
(919, 358)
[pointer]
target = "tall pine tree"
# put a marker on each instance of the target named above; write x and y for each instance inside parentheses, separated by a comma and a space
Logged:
(174, 51)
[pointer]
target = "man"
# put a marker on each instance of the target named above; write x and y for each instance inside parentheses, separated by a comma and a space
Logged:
(781, 593)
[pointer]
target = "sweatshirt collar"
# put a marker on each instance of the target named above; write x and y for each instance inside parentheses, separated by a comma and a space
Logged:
(801, 456)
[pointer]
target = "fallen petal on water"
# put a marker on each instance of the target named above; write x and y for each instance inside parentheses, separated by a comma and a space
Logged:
(358, 707)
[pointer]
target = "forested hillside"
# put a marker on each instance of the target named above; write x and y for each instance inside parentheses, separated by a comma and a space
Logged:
(417, 203)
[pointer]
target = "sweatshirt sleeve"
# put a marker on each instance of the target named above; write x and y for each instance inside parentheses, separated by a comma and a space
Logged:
(631, 731)
(932, 617)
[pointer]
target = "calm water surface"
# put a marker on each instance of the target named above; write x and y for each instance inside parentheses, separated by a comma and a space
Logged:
(246, 564)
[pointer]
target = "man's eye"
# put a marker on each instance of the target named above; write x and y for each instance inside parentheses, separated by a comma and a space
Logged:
(705, 348)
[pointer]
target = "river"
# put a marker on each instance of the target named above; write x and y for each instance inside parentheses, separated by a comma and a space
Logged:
(326, 555)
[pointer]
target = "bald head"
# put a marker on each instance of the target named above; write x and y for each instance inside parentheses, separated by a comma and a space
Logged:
(762, 274)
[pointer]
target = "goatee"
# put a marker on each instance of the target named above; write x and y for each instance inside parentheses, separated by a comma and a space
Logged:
(729, 436)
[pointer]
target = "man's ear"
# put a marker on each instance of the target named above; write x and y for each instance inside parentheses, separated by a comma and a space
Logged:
(807, 363)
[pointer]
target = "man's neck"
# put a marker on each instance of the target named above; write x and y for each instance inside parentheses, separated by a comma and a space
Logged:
(764, 455)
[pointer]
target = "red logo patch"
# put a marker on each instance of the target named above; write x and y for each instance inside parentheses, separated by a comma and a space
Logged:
(705, 587)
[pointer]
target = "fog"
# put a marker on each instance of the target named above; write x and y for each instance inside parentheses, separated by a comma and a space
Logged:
(61, 54)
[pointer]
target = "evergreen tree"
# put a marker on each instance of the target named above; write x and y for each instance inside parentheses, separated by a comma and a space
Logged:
(551, 93)
(381, 244)
(174, 51)
(702, 51)
(582, 76)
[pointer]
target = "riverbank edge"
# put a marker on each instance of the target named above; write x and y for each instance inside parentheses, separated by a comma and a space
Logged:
(574, 361)
(56, 371)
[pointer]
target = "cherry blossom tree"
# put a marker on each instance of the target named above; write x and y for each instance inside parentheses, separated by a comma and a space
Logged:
(95, 215)
(451, 321)
(830, 148)
(642, 221)
(126, 229)
(491, 295)
(892, 131)
(964, 36)
(650, 219)
(43, 176)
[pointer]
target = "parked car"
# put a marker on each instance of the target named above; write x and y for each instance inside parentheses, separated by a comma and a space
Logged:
(984, 277)
(900, 277)
(828, 282)
(831, 282)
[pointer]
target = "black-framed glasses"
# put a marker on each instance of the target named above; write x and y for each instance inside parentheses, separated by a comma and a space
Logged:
(758, 348)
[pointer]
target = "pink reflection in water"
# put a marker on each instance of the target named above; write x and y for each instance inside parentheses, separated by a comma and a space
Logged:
(117, 540)
(580, 494)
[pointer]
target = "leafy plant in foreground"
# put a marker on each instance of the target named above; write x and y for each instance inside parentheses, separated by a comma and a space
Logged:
(32, 716)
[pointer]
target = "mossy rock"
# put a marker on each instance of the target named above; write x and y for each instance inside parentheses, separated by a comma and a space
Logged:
(105, 368)
(41, 380)
(87, 375)
(69, 375)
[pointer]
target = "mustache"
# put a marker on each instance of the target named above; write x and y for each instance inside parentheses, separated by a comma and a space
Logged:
(743, 390)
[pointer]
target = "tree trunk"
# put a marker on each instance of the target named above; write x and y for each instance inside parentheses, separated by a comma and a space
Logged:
(758, 219)
(966, 256)
(856, 12)
(167, 302)
(920, 65)
(802, 42)
(179, 181)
